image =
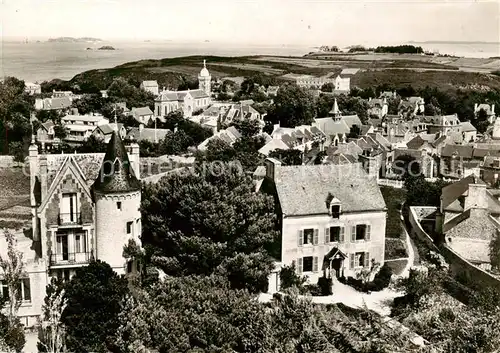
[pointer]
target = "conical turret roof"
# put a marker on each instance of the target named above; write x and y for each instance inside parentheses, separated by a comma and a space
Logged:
(116, 174)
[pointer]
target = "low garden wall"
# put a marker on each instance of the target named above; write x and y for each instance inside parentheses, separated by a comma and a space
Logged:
(462, 270)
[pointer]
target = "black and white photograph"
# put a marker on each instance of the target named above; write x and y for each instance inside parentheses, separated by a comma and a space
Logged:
(258, 176)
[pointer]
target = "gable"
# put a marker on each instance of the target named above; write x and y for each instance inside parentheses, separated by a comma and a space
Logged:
(68, 171)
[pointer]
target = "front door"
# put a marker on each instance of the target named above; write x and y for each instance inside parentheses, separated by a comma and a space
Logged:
(337, 267)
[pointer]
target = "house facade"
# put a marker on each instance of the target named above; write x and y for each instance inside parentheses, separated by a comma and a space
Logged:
(143, 115)
(32, 88)
(84, 207)
(150, 86)
(332, 217)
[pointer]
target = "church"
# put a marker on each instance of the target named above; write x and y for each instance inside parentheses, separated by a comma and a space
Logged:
(188, 101)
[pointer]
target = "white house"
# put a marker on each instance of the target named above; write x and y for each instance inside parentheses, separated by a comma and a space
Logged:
(333, 218)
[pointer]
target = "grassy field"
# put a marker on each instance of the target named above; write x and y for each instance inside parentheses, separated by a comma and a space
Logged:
(393, 199)
(399, 71)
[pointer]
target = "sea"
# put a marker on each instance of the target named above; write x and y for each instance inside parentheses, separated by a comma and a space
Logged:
(37, 61)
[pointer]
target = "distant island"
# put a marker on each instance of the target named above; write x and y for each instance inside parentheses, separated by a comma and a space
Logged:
(452, 42)
(106, 47)
(74, 40)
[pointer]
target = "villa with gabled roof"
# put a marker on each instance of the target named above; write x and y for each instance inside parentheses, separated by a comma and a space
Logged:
(332, 217)
(84, 207)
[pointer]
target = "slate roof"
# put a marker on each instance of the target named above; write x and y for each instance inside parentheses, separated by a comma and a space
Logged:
(303, 190)
(56, 103)
(48, 124)
(473, 250)
(349, 71)
(89, 163)
(142, 111)
(460, 151)
(351, 120)
(477, 225)
(331, 127)
(453, 191)
(467, 126)
(83, 118)
(179, 95)
(116, 174)
(272, 145)
(109, 128)
(148, 134)
(415, 143)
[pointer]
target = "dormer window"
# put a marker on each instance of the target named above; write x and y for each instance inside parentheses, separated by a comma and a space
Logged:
(335, 211)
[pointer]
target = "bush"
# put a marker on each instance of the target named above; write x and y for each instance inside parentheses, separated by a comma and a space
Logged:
(381, 281)
(325, 286)
(289, 278)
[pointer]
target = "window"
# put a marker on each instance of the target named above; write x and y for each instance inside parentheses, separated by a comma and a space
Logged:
(68, 208)
(335, 211)
(129, 227)
(359, 259)
(119, 205)
(360, 232)
(24, 290)
(129, 266)
(80, 243)
(308, 236)
(307, 264)
(334, 234)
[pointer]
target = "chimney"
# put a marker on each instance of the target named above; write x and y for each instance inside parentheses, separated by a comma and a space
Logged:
(33, 165)
(141, 127)
(475, 107)
(272, 168)
(135, 160)
(43, 176)
(275, 127)
(493, 109)
(476, 197)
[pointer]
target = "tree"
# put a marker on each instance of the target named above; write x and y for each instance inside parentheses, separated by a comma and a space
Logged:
(420, 192)
(481, 122)
(406, 165)
(327, 87)
(16, 149)
(247, 127)
(11, 329)
(52, 332)
(495, 251)
(288, 157)
(293, 106)
(93, 296)
(60, 132)
(355, 132)
(220, 225)
(92, 144)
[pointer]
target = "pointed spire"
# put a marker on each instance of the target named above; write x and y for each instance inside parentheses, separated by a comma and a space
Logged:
(116, 174)
(204, 64)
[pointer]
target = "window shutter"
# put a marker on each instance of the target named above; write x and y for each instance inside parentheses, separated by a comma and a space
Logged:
(367, 234)
(327, 235)
(353, 233)
(367, 259)
(351, 260)
(301, 237)
(316, 236)
(342, 235)
(299, 267)
(315, 264)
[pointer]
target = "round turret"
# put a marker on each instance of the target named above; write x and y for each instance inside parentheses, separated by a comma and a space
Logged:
(117, 194)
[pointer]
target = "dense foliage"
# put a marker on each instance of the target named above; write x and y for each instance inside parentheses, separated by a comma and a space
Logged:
(219, 225)
(93, 303)
(399, 49)
(293, 106)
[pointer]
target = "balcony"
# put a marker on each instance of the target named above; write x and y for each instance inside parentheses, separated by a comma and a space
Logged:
(70, 258)
(69, 219)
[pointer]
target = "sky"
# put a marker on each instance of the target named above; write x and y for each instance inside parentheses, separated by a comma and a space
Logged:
(328, 22)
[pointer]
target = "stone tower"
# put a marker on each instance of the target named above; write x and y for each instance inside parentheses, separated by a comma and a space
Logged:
(117, 194)
(204, 79)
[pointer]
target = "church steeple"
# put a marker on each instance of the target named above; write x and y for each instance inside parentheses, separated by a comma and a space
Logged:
(116, 174)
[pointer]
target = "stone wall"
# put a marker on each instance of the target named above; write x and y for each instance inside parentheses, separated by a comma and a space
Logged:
(462, 269)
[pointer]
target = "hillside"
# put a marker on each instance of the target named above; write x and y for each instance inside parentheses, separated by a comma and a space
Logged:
(398, 71)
